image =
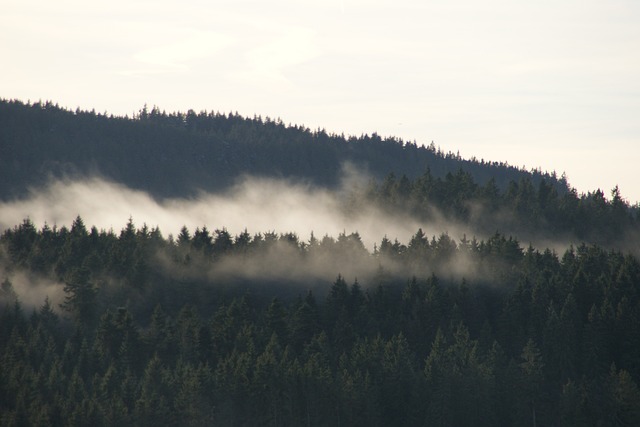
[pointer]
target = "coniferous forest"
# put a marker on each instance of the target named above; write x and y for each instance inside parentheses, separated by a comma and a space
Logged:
(208, 327)
(177, 154)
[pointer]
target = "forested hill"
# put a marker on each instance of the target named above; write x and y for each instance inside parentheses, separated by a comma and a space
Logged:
(177, 154)
(218, 328)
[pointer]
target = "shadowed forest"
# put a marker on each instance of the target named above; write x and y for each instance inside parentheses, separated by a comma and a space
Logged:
(179, 154)
(523, 309)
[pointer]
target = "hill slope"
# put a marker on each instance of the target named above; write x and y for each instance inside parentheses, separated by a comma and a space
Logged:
(101, 328)
(171, 155)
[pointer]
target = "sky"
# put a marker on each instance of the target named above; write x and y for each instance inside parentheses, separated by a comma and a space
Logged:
(553, 85)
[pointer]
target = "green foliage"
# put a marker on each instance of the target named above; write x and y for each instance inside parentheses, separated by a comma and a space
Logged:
(523, 337)
(520, 208)
(80, 296)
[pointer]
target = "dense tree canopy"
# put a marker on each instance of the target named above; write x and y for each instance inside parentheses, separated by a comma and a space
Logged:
(522, 209)
(150, 331)
(99, 327)
(178, 154)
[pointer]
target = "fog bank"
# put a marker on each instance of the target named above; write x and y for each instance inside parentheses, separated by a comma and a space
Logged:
(255, 204)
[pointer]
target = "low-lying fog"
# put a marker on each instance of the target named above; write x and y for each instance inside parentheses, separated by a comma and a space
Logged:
(256, 204)
(259, 205)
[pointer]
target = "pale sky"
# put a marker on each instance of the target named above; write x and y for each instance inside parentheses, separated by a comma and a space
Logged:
(548, 84)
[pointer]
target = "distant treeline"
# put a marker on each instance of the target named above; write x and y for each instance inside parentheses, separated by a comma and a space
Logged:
(178, 154)
(149, 333)
(531, 212)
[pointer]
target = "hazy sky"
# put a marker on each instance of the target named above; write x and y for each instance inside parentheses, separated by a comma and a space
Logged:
(550, 84)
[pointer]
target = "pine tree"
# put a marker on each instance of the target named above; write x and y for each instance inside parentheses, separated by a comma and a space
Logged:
(80, 297)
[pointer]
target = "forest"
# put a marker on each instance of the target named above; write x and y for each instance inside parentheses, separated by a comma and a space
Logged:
(530, 318)
(139, 329)
(178, 154)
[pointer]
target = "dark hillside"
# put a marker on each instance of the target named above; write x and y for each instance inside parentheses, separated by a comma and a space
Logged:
(178, 154)
(215, 328)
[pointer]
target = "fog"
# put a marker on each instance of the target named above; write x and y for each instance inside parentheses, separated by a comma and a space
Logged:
(255, 204)
(258, 205)
(31, 289)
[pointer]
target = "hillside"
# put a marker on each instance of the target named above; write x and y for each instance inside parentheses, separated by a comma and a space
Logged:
(468, 325)
(177, 154)
(180, 155)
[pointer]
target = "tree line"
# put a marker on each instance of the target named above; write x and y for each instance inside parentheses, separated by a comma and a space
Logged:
(524, 209)
(178, 154)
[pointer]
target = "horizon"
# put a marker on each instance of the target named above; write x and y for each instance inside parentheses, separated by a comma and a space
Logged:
(551, 87)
